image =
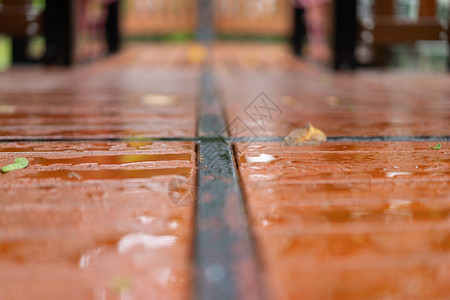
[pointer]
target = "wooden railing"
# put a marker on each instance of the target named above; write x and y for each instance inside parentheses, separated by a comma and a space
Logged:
(150, 17)
(262, 17)
(19, 18)
(380, 26)
(74, 30)
(389, 28)
(250, 17)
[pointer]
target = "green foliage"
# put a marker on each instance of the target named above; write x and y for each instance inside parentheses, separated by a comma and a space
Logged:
(19, 163)
(437, 147)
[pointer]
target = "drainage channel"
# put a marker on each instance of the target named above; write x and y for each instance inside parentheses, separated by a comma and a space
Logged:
(224, 253)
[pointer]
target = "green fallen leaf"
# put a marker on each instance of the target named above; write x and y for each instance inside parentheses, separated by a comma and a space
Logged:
(19, 163)
(437, 147)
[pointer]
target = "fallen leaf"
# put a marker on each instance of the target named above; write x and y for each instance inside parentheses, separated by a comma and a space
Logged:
(332, 101)
(307, 135)
(252, 62)
(197, 54)
(288, 100)
(19, 163)
(437, 147)
(7, 109)
(74, 175)
(120, 283)
(159, 99)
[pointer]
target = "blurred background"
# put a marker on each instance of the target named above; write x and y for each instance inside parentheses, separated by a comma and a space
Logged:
(405, 34)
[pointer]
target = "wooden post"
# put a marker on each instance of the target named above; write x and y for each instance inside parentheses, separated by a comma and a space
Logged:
(299, 30)
(113, 27)
(345, 34)
(19, 43)
(59, 21)
(448, 47)
(427, 8)
(19, 49)
(384, 7)
(17, 2)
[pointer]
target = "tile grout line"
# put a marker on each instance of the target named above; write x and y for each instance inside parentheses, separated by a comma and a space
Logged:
(226, 266)
(353, 139)
(258, 139)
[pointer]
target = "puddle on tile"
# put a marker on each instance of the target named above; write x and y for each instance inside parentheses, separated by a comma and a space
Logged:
(111, 159)
(68, 175)
(125, 131)
(341, 173)
(386, 213)
(75, 147)
(128, 246)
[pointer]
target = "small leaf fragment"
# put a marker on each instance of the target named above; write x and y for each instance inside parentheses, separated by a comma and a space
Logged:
(332, 101)
(7, 109)
(307, 135)
(437, 147)
(74, 175)
(197, 54)
(19, 163)
(120, 283)
(160, 99)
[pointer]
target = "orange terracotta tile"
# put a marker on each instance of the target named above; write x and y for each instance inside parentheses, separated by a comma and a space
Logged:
(118, 97)
(94, 115)
(103, 225)
(350, 220)
(343, 104)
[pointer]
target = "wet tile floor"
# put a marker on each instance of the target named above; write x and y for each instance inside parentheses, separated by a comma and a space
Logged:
(100, 212)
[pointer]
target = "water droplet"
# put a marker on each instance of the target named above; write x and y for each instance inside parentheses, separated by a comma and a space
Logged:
(394, 174)
(261, 158)
(145, 219)
(148, 241)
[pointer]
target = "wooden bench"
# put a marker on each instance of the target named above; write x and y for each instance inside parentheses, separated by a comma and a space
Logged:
(61, 24)
(384, 28)
(20, 20)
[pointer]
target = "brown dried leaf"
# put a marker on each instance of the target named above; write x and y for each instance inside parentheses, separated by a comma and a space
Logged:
(307, 135)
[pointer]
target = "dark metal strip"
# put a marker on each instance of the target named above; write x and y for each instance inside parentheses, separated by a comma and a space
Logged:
(211, 121)
(224, 255)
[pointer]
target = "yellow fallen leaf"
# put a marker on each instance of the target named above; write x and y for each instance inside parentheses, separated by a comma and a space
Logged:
(332, 101)
(7, 109)
(159, 99)
(252, 62)
(307, 135)
(288, 100)
(196, 54)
